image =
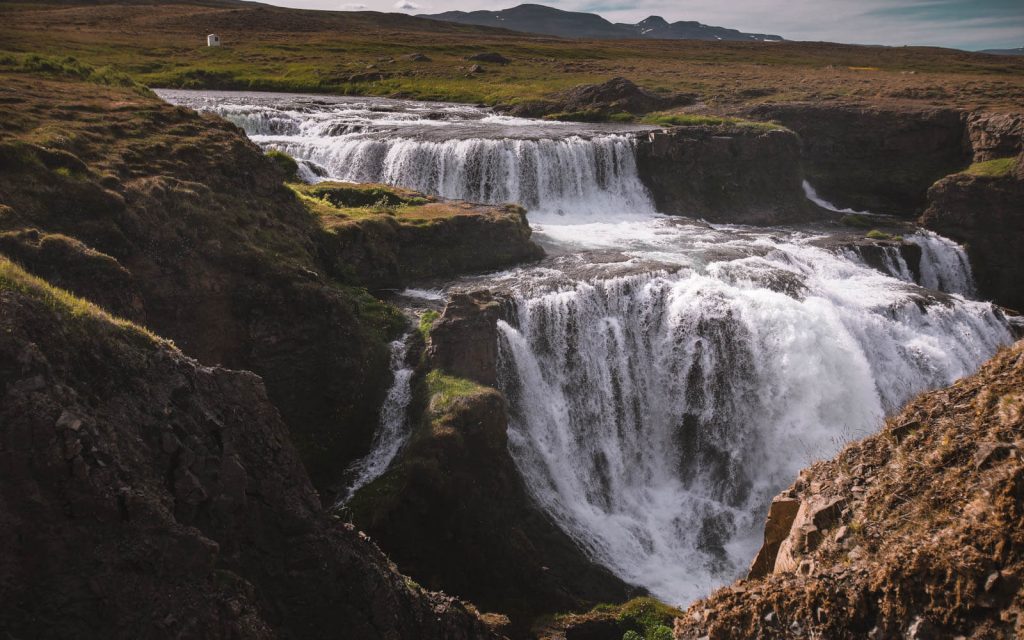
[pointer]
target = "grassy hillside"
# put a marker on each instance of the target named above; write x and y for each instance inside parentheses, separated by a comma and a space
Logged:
(272, 48)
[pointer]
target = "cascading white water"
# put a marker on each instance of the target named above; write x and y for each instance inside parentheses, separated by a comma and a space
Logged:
(393, 430)
(654, 415)
(453, 151)
(569, 174)
(944, 264)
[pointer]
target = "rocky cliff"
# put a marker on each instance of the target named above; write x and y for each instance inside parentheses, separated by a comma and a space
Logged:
(983, 209)
(873, 158)
(727, 173)
(916, 532)
(177, 220)
(144, 495)
(452, 509)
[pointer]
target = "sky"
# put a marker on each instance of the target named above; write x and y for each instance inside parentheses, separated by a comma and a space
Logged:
(961, 24)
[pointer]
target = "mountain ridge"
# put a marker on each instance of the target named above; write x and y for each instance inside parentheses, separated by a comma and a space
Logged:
(542, 19)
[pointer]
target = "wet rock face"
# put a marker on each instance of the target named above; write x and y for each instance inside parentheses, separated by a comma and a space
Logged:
(737, 175)
(144, 495)
(873, 159)
(464, 340)
(986, 215)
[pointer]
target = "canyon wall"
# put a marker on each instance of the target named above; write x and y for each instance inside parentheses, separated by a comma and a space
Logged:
(145, 495)
(737, 174)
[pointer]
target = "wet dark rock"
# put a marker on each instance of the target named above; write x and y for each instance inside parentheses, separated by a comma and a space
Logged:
(872, 158)
(464, 340)
(453, 511)
(739, 175)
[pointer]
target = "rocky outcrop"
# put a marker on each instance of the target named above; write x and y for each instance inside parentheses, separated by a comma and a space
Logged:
(143, 495)
(600, 101)
(453, 511)
(916, 532)
(873, 158)
(730, 173)
(985, 213)
(386, 252)
(995, 135)
(464, 340)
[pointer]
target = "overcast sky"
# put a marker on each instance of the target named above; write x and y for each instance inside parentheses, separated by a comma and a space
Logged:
(963, 24)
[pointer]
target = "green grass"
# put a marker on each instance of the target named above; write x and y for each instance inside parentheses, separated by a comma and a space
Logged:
(162, 46)
(998, 168)
(427, 322)
(643, 618)
(856, 220)
(287, 163)
(877, 234)
(67, 67)
(697, 120)
(79, 313)
(444, 390)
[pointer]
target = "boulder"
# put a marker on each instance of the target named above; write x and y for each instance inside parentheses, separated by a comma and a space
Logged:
(495, 58)
(617, 95)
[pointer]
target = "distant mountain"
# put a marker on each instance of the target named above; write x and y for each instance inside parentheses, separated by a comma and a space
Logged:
(1019, 51)
(537, 18)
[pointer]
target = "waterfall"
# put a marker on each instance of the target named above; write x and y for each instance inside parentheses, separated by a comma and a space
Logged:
(654, 416)
(454, 151)
(393, 429)
(944, 264)
(564, 175)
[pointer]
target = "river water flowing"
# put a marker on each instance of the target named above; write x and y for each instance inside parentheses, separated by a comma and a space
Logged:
(666, 377)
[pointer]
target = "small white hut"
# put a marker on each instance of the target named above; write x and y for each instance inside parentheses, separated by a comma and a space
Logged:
(213, 40)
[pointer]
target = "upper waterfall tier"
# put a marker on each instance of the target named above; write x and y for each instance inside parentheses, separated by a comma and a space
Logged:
(454, 151)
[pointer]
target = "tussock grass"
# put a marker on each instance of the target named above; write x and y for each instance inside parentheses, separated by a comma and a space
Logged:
(78, 312)
(997, 168)
(444, 390)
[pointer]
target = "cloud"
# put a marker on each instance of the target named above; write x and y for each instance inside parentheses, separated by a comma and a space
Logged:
(407, 5)
(353, 7)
